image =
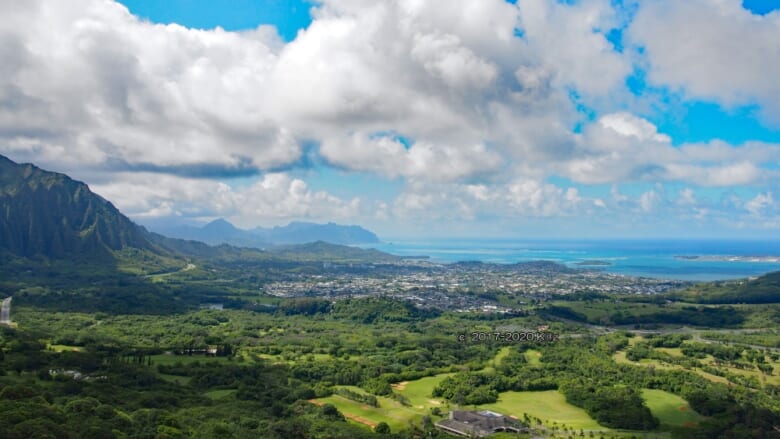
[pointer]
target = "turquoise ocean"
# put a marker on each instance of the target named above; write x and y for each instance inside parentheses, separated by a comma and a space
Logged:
(702, 260)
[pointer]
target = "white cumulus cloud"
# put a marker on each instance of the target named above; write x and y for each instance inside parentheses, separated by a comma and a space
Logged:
(472, 105)
(760, 203)
(712, 50)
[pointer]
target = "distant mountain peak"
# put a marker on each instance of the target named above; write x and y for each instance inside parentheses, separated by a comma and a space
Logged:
(219, 221)
(49, 214)
(221, 231)
(220, 224)
(301, 232)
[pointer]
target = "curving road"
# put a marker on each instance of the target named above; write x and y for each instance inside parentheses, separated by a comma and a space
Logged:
(159, 275)
(5, 312)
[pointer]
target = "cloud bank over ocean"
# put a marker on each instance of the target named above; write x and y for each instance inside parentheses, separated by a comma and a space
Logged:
(406, 114)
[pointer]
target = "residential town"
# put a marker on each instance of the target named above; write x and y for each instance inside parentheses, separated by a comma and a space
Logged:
(465, 286)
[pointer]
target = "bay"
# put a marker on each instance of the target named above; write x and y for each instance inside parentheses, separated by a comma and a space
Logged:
(694, 260)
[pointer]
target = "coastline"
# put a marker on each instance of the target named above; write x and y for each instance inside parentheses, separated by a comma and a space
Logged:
(730, 258)
(691, 260)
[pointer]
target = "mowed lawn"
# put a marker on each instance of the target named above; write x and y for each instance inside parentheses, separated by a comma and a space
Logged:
(674, 352)
(533, 357)
(280, 359)
(549, 406)
(620, 357)
(419, 391)
(392, 412)
(396, 415)
(490, 368)
(670, 409)
(64, 348)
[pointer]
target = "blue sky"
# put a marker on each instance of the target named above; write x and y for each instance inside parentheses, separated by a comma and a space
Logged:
(761, 6)
(692, 121)
(288, 16)
(538, 118)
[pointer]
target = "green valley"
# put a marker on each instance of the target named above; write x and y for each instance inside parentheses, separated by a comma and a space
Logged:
(119, 332)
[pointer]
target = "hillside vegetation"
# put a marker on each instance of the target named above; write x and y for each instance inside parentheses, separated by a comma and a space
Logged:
(764, 289)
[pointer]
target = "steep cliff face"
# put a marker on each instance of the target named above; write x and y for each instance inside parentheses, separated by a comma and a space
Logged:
(48, 214)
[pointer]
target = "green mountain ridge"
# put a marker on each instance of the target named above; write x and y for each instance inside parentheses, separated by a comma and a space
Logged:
(49, 214)
(64, 248)
(763, 289)
(46, 214)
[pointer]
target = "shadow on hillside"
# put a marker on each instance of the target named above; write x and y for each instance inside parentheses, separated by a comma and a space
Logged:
(84, 284)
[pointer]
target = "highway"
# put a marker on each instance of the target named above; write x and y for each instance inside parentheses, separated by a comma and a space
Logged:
(5, 312)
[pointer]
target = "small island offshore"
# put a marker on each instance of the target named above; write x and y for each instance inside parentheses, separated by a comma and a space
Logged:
(730, 258)
(593, 263)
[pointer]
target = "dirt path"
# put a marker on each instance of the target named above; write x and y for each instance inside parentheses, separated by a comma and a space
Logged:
(360, 420)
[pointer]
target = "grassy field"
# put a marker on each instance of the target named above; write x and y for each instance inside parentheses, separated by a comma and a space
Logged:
(550, 406)
(501, 355)
(711, 377)
(620, 357)
(390, 411)
(773, 379)
(634, 340)
(670, 409)
(419, 391)
(63, 347)
(674, 352)
(360, 413)
(533, 357)
(397, 416)
(288, 359)
(490, 367)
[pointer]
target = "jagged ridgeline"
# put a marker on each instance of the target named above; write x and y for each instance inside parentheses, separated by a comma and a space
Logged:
(51, 215)
(64, 247)
(48, 216)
